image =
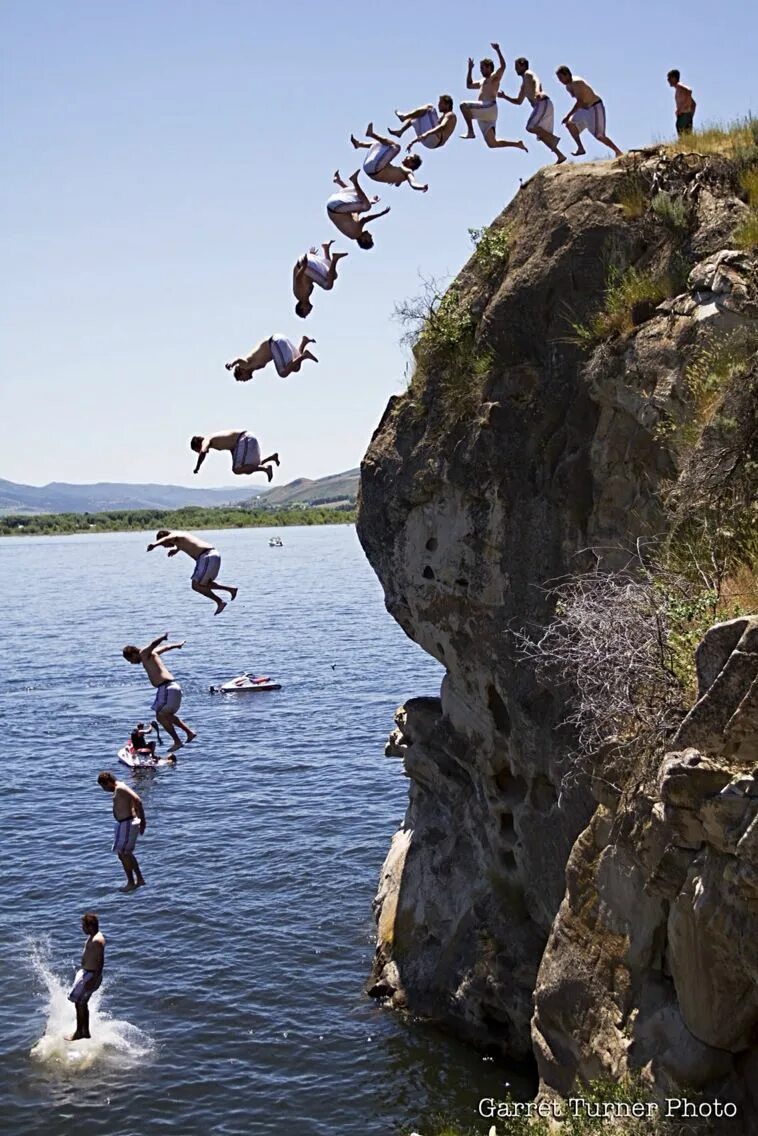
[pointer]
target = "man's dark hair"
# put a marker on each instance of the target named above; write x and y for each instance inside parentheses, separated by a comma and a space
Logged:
(129, 649)
(196, 443)
(487, 60)
(364, 240)
(522, 59)
(447, 100)
(161, 533)
(675, 75)
(564, 70)
(91, 922)
(105, 778)
(412, 162)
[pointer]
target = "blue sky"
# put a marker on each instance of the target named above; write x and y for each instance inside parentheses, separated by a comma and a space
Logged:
(166, 161)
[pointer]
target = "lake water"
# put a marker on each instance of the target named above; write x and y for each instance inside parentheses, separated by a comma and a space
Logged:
(233, 995)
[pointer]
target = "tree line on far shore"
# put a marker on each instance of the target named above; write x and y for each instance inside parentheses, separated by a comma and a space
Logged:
(190, 517)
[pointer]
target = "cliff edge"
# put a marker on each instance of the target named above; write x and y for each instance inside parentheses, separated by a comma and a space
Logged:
(587, 387)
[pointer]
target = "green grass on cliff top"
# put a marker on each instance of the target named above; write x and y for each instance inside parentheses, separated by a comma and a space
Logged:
(730, 140)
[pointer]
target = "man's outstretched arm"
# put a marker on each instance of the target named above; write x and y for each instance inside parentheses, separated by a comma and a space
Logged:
(374, 216)
(501, 69)
(162, 542)
(169, 647)
(470, 83)
(155, 643)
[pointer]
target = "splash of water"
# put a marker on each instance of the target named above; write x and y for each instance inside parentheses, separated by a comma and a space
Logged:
(113, 1042)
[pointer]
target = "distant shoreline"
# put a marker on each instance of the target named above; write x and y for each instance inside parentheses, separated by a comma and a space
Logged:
(190, 517)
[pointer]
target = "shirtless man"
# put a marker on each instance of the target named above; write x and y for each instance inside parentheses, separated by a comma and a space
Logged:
(345, 208)
(277, 349)
(207, 563)
(244, 448)
(484, 110)
(89, 976)
(168, 696)
(129, 823)
(684, 103)
(433, 127)
(314, 268)
(541, 119)
(587, 113)
(378, 164)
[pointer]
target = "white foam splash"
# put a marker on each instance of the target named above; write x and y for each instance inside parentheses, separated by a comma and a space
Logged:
(113, 1042)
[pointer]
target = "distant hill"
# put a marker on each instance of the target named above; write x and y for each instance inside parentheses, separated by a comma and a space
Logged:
(61, 497)
(337, 489)
(106, 496)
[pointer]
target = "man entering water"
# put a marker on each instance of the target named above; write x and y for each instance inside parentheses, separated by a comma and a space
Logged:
(130, 822)
(89, 976)
(207, 563)
(168, 693)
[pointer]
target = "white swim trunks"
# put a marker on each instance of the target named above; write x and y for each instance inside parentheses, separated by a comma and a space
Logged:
(86, 982)
(379, 156)
(484, 114)
(347, 201)
(246, 453)
(317, 269)
(428, 121)
(283, 352)
(168, 696)
(542, 116)
(125, 833)
(590, 118)
(207, 567)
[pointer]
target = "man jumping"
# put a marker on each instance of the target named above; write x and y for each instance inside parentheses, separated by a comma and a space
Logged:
(433, 127)
(207, 563)
(244, 448)
(378, 164)
(587, 113)
(484, 110)
(314, 268)
(90, 974)
(277, 349)
(129, 823)
(345, 207)
(168, 694)
(541, 119)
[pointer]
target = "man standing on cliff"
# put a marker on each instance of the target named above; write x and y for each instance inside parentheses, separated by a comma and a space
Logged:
(168, 693)
(207, 563)
(684, 103)
(587, 113)
(484, 109)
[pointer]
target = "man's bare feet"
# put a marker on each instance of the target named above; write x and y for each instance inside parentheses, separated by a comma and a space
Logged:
(521, 146)
(219, 607)
(355, 142)
(191, 735)
(130, 886)
(559, 159)
(338, 256)
(369, 130)
(140, 882)
(399, 115)
(578, 153)
(394, 133)
(233, 593)
(74, 1037)
(268, 472)
(469, 135)
(176, 746)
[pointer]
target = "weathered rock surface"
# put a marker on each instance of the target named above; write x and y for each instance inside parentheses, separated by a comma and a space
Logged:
(466, 514)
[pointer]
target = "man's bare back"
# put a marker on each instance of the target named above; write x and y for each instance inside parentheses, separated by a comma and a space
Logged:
(155, 668)
(124, 802)
(185, 542)
(582, 92)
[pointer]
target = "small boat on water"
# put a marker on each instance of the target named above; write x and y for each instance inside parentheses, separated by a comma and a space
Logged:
(276, 542)
(141, 759)
(246, 684)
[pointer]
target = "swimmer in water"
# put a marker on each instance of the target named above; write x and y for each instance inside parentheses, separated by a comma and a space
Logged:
(89, 976)
(130, 822)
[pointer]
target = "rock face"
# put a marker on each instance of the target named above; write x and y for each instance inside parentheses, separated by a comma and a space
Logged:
(507, 877)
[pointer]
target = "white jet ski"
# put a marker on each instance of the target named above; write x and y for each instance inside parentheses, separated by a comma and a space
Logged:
(128, 756)
(246, 684)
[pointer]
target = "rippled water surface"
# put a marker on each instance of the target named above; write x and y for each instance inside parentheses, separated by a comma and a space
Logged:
(232, 1000)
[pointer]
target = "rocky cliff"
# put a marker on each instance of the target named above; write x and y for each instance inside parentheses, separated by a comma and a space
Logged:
(558, 416)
